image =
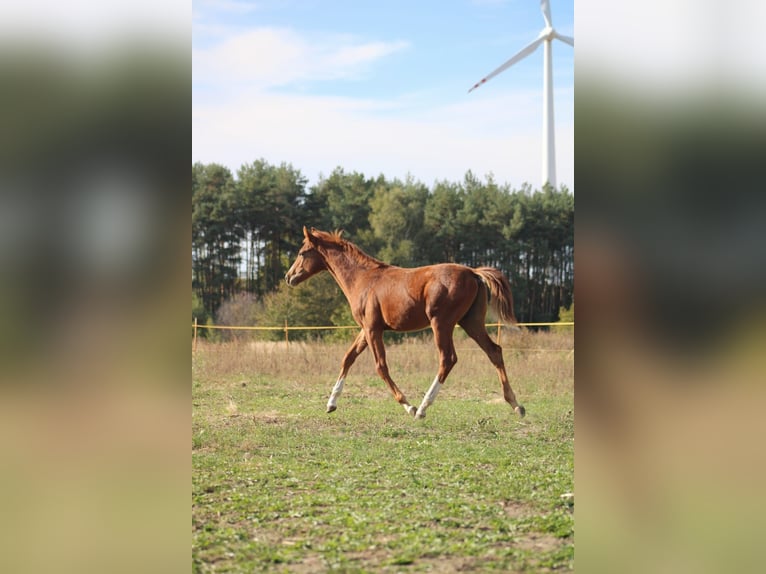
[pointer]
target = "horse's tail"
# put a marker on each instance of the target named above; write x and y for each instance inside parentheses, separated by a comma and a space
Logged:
(500, 298)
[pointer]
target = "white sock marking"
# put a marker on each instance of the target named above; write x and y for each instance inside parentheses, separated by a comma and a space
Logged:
(429, 397)
(336, 391)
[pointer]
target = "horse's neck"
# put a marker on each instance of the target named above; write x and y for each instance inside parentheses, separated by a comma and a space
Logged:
(346, 269)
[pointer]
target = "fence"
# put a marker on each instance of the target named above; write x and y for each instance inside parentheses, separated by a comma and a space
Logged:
(287, 328)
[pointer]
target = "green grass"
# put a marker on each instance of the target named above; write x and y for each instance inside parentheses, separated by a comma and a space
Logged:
(281, 486)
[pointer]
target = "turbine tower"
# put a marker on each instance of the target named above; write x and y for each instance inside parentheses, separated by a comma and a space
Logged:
(546, 37)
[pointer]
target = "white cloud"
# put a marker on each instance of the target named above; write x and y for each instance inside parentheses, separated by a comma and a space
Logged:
(264, 57)
(270, 57)
(499, 134)
(351, 56)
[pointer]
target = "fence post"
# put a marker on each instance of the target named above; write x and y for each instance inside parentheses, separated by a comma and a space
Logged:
(194, 346)
(499, 326)
(287, 337)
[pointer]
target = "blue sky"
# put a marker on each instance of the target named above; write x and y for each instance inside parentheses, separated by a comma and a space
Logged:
(379, 87)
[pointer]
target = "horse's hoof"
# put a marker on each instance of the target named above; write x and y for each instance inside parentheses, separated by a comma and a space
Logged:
(331, 408)
(411, 410)
(521, 410)
(420, 414)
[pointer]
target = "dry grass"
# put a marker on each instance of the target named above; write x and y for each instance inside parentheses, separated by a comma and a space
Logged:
(538, 364)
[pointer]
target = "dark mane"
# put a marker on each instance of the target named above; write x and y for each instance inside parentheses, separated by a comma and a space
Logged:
(355, 253)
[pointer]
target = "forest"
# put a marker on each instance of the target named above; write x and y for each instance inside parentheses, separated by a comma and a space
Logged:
(247, 228)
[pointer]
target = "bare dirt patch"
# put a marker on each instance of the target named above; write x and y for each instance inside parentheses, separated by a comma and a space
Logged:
(308, 565)
(515, 509)
(271, 417)
(538, 542)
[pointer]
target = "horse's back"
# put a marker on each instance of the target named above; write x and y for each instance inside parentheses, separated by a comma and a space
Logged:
(409, 298)
(419, 281)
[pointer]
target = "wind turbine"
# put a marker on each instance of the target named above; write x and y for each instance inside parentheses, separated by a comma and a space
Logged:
(546, 37)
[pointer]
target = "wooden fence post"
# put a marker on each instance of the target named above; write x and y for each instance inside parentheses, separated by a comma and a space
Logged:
(194, 346)
(287, 337)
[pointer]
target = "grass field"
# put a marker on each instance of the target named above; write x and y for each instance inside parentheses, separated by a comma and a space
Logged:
(281, 486)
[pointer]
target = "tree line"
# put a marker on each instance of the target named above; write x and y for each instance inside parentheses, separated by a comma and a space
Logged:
(247, 227)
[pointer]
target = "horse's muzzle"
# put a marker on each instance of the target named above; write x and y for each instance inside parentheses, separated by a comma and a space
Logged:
(291, 280)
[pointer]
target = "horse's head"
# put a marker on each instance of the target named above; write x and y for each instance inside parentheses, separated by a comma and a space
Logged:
(309, 261)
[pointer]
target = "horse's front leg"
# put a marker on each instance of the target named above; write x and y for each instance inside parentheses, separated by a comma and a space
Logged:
(375, 340)
(356, 348)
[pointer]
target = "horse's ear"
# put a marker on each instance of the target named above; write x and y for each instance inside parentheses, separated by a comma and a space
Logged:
(340, 233)
(309, 235)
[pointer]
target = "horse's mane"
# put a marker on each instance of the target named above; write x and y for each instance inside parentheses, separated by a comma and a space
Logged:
(354, 252)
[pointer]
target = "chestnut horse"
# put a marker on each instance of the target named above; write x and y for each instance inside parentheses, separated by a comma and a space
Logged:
(386, 297)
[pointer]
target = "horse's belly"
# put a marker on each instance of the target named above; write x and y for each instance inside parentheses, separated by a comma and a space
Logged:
(410, 319)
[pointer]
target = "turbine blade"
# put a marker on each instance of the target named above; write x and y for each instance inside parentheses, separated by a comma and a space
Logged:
(566, 39)
(546, 8)
(523, 53)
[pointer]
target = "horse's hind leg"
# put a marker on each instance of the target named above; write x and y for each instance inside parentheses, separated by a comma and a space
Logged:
(356, 348)
(475, 328)
(375, 340)
(447, 360)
